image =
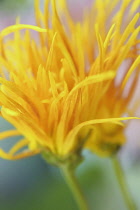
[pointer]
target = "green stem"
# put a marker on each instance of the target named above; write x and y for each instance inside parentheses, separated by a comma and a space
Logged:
(71, 180)
(123, 185)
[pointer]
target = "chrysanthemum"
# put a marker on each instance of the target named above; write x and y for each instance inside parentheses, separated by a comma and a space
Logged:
(60, 92)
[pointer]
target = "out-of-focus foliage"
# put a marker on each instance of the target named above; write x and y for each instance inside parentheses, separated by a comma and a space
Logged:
(12, 2)
(10, 5)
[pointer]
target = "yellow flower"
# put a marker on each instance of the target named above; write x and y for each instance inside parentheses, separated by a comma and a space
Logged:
(60, 92)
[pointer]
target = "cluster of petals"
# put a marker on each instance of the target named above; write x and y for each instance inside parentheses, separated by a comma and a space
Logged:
(64, 83)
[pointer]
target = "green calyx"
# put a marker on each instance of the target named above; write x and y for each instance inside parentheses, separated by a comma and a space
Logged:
(71, 161)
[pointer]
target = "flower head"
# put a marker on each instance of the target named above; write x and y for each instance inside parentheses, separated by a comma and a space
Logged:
(60, 92)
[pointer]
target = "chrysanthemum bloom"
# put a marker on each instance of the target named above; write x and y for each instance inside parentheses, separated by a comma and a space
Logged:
(60, 92)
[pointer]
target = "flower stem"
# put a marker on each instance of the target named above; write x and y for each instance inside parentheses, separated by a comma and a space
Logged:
(71, 180)
(123, 185)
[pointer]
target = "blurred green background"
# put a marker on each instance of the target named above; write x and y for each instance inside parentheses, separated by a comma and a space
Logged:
(32, 184)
